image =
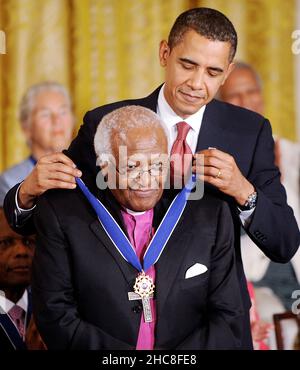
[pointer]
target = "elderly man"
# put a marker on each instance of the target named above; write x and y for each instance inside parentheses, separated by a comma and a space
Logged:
(47, 122)
(99, 284)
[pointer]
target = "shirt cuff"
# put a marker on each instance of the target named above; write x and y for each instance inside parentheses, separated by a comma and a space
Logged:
(19, 209)
(246, 216)
(21, 215)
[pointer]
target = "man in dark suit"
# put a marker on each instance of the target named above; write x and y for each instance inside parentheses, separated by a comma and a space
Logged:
(82, 275)
(15, 298)
(197, 59)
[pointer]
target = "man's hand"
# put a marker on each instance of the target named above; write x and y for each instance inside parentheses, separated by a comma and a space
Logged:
(219, 169)
(51, 171)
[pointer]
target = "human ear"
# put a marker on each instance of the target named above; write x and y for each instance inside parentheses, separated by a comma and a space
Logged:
(164, 52)
(229, 70)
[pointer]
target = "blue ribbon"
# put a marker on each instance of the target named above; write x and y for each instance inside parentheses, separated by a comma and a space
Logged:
(32, 160)
(160, 238)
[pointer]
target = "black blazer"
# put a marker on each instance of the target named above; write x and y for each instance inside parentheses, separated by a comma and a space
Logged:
(5, 341)
(81, 282)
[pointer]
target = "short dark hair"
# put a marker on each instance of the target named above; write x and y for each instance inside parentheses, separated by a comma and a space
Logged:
(209, 23)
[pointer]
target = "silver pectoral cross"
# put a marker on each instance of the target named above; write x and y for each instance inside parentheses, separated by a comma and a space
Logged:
(132, 296)
(143, 290)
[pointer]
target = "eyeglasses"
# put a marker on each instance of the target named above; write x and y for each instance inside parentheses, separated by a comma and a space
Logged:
(10, 242)
(133, 171)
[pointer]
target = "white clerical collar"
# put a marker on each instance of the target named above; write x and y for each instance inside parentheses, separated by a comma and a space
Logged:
(170, 118)
(6, 304)
(135, 213)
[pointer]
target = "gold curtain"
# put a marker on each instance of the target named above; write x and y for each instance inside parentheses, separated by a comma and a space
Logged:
(106, 50)
(264, 28)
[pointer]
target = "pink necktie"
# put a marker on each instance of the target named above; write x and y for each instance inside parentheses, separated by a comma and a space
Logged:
(181, 153)
(18, 315)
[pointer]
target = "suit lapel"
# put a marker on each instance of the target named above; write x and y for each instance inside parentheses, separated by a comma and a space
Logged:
(170, 262)
(212, 132)
(150, 101)
(127, 270)
(109, 202)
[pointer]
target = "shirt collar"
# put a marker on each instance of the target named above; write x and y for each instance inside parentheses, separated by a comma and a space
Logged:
(134, 213)
(170, 118)
(6, 304)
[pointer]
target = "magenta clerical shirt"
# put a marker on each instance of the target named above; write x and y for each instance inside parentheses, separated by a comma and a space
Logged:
(139, 229)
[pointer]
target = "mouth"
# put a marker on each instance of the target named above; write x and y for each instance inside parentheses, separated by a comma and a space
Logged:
(192, 98)
(144, 193)
(20, 269)
(58, 133)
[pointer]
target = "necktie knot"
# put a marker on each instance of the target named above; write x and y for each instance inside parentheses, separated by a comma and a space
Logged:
(183, 128)
(16, 312)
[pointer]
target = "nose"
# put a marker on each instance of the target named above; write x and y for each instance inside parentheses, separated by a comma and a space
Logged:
(56, 119)
(21, 250)
(145, 179)
(196, 81)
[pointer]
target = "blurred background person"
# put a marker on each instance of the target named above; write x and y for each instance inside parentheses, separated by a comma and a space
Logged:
(273, 282)
(47, 122)
(16, 324)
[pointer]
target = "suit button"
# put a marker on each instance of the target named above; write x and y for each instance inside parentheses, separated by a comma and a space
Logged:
(137, 309)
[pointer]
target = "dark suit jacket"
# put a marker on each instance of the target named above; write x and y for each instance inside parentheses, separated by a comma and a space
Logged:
(5, 342)
(81, 282)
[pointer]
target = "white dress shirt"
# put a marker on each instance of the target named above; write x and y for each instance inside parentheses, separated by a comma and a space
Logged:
(6, 304)
(170, 119)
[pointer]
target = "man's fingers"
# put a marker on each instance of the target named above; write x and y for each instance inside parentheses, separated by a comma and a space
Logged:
(211, 180)
(61, 176)
(214, 162)
(57, 184)
(210, 171)
(62, 168)
(216, 153)
(58, 157)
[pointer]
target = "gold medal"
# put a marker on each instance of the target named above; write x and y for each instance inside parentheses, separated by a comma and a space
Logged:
(144, 286)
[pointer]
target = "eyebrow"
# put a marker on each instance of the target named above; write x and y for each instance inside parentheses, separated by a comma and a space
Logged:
(47, 108)
(189, 61)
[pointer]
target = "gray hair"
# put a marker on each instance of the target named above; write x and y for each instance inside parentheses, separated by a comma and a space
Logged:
(134, 116)
(242, 65)
(28, 100)
(238, 65)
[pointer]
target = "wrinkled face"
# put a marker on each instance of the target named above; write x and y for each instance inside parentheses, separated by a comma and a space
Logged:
(242, 89)
(140, 175)
(194, 70)
(16, 253)
(52, 122)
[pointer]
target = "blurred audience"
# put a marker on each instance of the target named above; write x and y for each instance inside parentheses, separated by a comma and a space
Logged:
(17, 328)
(259, 329)
(47, 122)
(274, 283)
